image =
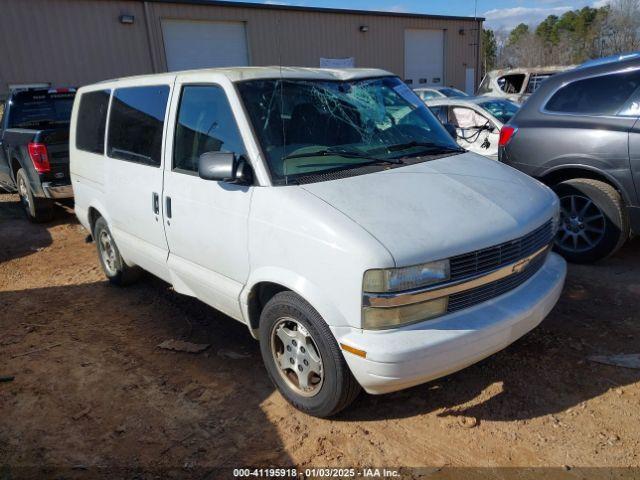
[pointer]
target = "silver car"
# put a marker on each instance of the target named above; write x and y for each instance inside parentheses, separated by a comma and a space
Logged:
(477, 121)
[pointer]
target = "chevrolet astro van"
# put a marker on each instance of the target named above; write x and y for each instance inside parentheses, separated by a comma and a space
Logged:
(328, 210)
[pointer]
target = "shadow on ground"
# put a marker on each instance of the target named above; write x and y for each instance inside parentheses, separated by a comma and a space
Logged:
(101, 393)
(18, 236)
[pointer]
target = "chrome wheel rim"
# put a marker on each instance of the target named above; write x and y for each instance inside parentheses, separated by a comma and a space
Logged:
(107, 252)
(23, 192)
(582, 224)
(297, 357)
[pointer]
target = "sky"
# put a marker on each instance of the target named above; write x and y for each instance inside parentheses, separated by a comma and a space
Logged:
(498, 13)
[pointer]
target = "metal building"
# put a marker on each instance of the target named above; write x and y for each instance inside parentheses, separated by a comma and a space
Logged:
(75, 42)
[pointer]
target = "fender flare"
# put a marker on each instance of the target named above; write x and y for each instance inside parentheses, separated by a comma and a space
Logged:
(297, 283)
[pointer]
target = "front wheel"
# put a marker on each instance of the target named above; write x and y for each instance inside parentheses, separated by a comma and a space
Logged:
(302, 357)
(593, 220)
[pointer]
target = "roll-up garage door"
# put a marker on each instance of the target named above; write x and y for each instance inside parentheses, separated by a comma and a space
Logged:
(197, 44)
(423, 57)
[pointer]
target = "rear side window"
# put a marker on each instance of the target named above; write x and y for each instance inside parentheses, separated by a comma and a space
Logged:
(205, 124)
(603, 95)
(136, 124)
(92, 121)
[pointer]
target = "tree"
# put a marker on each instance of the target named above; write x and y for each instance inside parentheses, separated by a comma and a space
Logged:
(621, 28)
(489, 49)
(520, 31)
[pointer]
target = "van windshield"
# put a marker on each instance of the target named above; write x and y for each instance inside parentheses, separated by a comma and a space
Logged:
(313, 127)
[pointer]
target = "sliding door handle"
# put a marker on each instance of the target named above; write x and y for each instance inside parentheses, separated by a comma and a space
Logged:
(155, 203)
(167, 203)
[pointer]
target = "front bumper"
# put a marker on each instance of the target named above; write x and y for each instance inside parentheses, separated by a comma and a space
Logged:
(57, 191)
(415, 354)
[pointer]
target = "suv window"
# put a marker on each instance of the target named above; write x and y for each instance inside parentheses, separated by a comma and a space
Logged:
(92, 121)
(602, 95)
(205, 124)
(136, 123)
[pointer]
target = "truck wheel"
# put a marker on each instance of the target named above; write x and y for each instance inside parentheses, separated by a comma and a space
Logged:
(38, 210)
(302, 357)
(593, 220)
(113, 265)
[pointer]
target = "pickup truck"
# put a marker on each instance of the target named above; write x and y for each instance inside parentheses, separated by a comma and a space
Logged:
(34, 148)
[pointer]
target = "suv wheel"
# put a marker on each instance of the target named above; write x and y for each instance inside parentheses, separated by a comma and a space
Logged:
(113, 265)
(37, 209)
(593, 220)
(302, 357)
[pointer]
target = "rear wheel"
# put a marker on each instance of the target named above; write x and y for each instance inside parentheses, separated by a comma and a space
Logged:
(593, 220)
(113, 265)
(302, 357)
(37, 209)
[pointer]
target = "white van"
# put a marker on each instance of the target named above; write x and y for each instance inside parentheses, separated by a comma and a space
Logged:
(328, 210)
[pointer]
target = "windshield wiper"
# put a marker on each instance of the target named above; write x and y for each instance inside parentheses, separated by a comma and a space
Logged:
(330, 152)
(431, 147)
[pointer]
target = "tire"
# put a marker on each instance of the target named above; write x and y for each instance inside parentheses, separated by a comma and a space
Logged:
(594, 223)
(38, 210)
(336, 388)
(113, 265)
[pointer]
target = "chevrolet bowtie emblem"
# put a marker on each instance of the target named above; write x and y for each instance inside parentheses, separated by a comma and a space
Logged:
(521, 265)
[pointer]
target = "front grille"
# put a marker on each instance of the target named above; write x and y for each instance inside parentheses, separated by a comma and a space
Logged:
(483, 261)
(469, 298)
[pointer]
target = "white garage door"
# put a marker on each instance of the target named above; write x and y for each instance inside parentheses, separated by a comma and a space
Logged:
(194, 44)
(423, 57)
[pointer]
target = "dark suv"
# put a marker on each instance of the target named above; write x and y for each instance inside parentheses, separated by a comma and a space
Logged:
(579, 133)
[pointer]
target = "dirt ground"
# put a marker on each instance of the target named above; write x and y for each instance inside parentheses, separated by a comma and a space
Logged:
(93, 391)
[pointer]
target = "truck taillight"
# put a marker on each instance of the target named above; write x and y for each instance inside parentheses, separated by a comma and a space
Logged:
(506, 134)
(39, 157)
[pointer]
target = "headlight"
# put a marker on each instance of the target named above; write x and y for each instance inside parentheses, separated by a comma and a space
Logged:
(391, 317)
(408, 278)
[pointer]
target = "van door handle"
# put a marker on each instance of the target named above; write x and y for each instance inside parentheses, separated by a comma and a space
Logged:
(155, 203)
(167, 202)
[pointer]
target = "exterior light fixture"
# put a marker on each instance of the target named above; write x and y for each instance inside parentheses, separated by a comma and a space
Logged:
(461, 31)
(127, 19)
(364, 28)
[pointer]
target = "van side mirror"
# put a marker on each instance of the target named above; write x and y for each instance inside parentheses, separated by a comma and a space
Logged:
(225, 167)
(451, 129)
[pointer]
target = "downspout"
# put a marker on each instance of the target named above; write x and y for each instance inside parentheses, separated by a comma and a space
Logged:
(152, 54)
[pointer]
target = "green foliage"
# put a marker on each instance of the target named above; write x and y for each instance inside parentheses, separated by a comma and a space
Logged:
(489, 49)
(572, 37)
(518, 33)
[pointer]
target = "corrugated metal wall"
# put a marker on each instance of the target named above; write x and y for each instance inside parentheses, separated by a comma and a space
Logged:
(75, 42)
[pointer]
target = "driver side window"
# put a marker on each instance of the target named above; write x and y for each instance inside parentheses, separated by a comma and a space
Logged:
(205, 124)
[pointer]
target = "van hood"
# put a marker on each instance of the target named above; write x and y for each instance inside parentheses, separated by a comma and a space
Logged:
(441, 208)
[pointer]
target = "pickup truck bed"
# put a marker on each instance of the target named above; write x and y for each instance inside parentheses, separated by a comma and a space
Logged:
(34, 149)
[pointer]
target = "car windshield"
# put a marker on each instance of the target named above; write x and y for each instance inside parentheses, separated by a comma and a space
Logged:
(311, 127)
(40, 109)
(453, 92)
(503, 110)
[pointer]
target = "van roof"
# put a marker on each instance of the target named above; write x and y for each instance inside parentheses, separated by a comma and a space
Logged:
(237, 74)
